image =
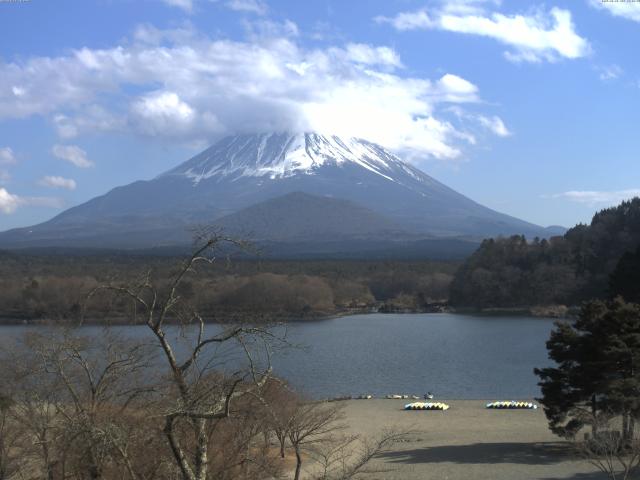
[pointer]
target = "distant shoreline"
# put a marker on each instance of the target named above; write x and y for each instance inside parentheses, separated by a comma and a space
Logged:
(553, 311)
(221, 317)
(546, 311)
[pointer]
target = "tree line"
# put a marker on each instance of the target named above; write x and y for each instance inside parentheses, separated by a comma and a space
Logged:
(53, 287)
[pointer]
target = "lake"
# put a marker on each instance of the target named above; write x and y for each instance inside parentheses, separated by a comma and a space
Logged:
(454, 356)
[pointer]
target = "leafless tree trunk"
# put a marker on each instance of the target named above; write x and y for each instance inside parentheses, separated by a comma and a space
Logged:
(279, 405)
(12, 441)
(310, 424)
(74, 398)
(612, 450)
(199, 399)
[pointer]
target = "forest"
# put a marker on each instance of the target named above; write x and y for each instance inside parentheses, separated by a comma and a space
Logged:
(52, 288)
(599, 260)
(589, 261)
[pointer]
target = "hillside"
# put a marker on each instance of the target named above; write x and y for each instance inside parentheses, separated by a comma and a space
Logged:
(300, 216)
(512, 272)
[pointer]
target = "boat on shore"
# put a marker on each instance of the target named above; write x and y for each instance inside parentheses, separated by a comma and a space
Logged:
(427, 406)
(512, 405)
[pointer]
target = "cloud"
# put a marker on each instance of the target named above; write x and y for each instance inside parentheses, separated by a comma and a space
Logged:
(403, 21)
(58, 182)
(456, 89)
(7, 157)
(65, 127)
(495, 124)
(368, 55)
(629, 10)
(187, 87)
(9, 202)
(251, 6)
(72, 154)
(93, 118)
(165, 113)
(610, 72)
(534, 37)
(268, 29)
(492, 123)
(467, 7)
(258, 7)
(598, 198)
(186, 5)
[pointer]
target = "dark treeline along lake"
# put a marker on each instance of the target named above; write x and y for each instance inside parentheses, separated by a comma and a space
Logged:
(454, 356)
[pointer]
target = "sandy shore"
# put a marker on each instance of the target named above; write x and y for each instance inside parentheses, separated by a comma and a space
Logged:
(467, 442)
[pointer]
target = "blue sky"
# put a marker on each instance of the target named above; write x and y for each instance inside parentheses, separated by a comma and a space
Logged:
(530, 108)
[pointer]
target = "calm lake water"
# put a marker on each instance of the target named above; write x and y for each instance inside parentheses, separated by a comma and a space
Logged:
(454, 356)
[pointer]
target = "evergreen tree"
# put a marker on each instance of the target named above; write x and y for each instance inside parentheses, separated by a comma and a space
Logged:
(597, 357)
(625, 279)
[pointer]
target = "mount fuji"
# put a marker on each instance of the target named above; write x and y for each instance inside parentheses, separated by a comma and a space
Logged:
(277, 187)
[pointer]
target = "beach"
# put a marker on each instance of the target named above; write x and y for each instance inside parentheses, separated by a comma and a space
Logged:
(467, 441)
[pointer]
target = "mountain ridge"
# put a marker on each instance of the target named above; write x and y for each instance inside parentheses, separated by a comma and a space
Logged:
(298, 216)
(245, 170)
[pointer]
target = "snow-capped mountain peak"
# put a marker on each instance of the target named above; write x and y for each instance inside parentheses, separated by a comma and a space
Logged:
(282, 187)
(282, 155)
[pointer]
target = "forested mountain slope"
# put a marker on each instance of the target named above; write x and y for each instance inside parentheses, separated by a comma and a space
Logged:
(511, 272)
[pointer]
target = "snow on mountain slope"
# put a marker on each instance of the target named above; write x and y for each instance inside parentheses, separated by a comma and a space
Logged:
(242, 171)
(282, 155)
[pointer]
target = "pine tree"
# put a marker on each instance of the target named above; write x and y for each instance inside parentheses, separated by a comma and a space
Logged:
(598, 361)
(625, 279)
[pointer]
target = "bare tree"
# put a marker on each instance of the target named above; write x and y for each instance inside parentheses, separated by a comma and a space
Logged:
(12, 441)
(76, 397)
(349, 457)
(240, 450)
(312, 424)
(609, 450)
(198, 399)
(33, 399)
(279, 405)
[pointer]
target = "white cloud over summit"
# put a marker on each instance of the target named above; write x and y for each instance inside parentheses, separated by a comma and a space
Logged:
(532, 37)
(183, 85)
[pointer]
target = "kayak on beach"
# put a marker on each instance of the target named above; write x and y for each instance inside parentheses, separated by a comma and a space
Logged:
(426, 406)
(512, 405)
